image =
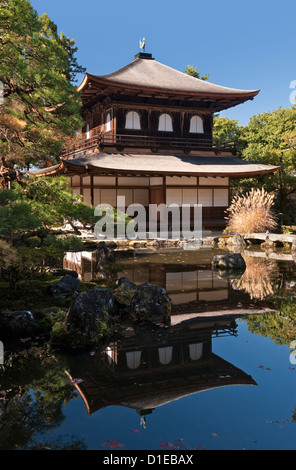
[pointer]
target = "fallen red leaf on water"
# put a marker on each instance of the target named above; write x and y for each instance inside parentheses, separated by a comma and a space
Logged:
(172, 445)
(113, 444)
(137, 431)
(213, 434)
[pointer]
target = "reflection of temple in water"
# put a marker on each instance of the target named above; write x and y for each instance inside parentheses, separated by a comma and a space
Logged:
(148, 369)
(184, 284)
(191, 287)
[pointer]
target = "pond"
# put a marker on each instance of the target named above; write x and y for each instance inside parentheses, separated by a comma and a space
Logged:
(222, 376)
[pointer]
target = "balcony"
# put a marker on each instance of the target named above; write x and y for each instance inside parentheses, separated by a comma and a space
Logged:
(120, 142)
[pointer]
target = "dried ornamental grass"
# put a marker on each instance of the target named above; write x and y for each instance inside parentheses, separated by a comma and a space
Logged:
(252, 213)
(259, 278)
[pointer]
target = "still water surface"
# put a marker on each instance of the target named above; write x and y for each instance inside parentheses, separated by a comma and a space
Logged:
(221, 376)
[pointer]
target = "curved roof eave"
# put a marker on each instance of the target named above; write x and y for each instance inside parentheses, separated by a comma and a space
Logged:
(222, 93)
(210, 166)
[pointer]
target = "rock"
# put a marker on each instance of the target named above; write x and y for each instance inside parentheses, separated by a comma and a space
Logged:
(210, 241)
(55, 310)
(138, 243)
(150, 303)
(222, 241)
(268, 244)
(111, 245)
(125, 291)
(104, 258)
(65, 286)
(105, 250)
(64, 272)
(17, 323)
(231, 261)
(88, 308)
(236, 240)
(125, 284)
(155, 243)
(193, 244)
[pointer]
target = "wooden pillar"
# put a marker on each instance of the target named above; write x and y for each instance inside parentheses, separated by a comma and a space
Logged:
(81, 186)
(92, 190)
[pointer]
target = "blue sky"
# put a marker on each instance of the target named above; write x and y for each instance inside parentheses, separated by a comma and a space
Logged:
(247, 45)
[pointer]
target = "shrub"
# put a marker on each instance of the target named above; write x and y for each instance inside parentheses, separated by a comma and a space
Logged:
(252, 213)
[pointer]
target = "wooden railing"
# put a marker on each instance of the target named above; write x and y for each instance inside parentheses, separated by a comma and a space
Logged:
(121, 142)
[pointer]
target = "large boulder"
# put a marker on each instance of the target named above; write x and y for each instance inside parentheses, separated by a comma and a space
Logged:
(66, 286)
(150, 303)
(125, 284)
(17, 323)
(229, 261)
(91, 309)
(124, 292)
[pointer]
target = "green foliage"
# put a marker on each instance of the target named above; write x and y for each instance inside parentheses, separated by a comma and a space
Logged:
(54, 203)
(39, 204)
(31, 220)
(61, 336)
(29, 212)
(16, 214)
(36, 389)
(194, 72)
(228, 130)
(41, 104)
(111, 222)
(279, 327)
(270, 139)
(8, 254)
(268, 134)
(28, 263)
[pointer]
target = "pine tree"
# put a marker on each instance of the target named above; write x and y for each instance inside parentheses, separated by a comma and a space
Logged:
(41, 104)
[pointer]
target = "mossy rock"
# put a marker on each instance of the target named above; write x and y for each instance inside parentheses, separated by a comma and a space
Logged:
(64, 337)
(150, 303)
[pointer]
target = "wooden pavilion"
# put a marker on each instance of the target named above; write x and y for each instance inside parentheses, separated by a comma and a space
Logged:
(148, 136)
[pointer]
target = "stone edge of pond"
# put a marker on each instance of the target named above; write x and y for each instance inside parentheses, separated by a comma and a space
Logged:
(265, 240)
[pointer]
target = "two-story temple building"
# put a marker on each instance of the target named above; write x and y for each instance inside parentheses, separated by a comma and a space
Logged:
(148, 136)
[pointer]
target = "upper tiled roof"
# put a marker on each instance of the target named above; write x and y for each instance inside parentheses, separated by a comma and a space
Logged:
(153, 75)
